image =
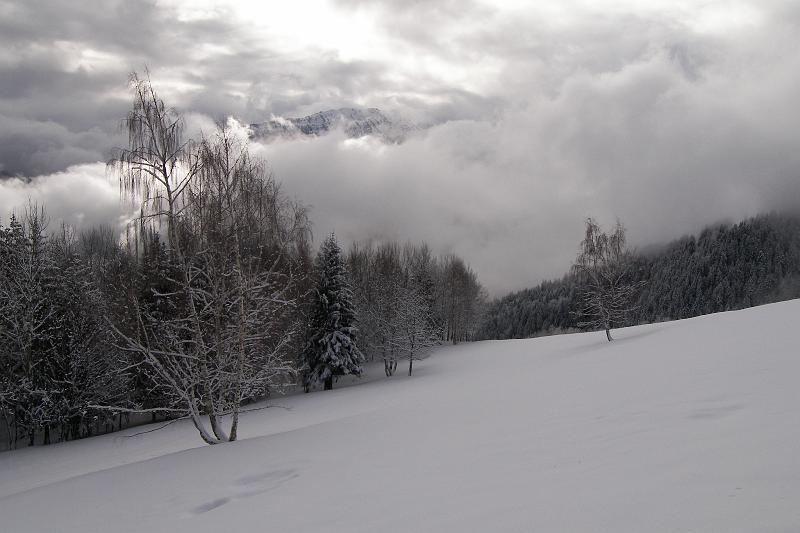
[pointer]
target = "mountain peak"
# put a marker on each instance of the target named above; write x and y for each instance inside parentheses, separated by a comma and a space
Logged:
(354, 122)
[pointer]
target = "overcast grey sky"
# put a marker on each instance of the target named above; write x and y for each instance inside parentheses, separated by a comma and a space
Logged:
(669, 115)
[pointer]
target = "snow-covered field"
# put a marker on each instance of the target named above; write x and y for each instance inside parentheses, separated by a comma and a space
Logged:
(681, 426)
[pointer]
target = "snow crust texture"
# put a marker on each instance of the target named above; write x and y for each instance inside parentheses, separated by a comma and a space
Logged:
(681, 426)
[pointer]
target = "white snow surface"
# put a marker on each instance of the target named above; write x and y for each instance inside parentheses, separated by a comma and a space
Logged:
(691, 425)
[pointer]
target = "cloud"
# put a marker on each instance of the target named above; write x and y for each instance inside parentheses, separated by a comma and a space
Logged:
(668, 133)
(63, 72)
(668, 115)
(38, 147)
(81, 196)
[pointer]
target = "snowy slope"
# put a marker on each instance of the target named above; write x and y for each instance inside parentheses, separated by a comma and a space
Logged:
(682, 426)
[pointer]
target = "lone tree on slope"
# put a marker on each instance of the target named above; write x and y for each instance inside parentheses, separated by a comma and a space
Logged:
(331, 349)
(604, 271)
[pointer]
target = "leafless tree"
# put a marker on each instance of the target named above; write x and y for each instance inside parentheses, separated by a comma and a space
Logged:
(232, 240)
(408, 299)
(604, 270)
(159, 162)
(461, 300)
(416, 330)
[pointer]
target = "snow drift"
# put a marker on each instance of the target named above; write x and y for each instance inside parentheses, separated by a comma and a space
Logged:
(681, 426)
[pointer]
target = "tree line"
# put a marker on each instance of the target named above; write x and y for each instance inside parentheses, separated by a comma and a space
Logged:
(211, 300)
(725, 267)
(408, 300)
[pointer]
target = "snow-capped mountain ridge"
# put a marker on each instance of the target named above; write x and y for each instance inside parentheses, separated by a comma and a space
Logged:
(354, 122)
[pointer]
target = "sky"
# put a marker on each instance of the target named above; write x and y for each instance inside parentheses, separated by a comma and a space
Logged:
(666, 115)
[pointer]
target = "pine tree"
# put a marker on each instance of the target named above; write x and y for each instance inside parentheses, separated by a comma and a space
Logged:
(331, 349)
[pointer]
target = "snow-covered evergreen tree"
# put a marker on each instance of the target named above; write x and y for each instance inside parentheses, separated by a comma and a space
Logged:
(331, 349)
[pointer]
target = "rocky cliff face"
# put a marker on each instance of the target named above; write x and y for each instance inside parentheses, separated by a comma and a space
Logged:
(353, 122)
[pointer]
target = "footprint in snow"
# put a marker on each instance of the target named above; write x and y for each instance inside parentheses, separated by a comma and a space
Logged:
(255, 484)
(715, 412)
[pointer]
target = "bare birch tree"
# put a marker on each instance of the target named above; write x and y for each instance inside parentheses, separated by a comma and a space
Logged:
(604, 271)
(397, 285)
(230, 237)
(416, 330)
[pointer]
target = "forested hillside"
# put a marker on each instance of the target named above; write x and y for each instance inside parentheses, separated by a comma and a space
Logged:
(208, 302)
(725, 267)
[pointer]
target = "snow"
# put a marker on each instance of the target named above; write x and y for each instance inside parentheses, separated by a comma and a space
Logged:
(355, 122)
(681, 426)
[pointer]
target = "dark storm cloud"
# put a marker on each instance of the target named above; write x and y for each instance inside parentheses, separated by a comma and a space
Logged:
(45, 147)
(56, 111)
(668, 117)
(663, 125)
(63, 68)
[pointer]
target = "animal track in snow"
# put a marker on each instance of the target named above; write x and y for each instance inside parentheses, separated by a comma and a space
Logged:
(255, 483)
